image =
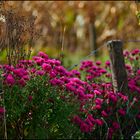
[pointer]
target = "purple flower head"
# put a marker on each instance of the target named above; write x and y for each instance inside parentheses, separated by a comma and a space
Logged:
(22, 82)
(70, 87)
(98, 101)
(89, 96)
(2, 110)
(56, 82)
(126, 53)
(97, 92)
(113, 98)
(1, 66)
(10, 80)
(122, 112)
(115, 125)
(46, 67)
(138, 72)
(90, 117)
(8, 68)
(97, 107)
(30, 98)
(61, 70)
(99, 122)
(26, 77)
(77, 81)
(65, 79)
(20, 72)
(98, 63)
(89, 77)
(40, 72)
(75, 73)
(33, 70)
(107, 63)
(38, 60)
(136, 51)
(87, 120)
(85, 128)
(77, 120)
(52, 74)
(128, 67)
(80, 93)
(86, 64)
(102, 71)
(104, 113)
(43, 55)
(57, 62)
(123, 97)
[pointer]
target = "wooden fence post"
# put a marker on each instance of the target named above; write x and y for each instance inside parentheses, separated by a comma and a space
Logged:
(119, 75)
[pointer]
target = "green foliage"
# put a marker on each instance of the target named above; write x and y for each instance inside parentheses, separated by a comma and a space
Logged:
(136, 135)
(45, 116)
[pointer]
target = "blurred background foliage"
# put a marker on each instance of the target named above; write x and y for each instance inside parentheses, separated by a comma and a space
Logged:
(70, 30)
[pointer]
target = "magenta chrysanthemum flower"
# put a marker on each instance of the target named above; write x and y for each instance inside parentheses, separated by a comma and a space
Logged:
(122, 112)
(10, 80)
(46, 67)
(2, 110)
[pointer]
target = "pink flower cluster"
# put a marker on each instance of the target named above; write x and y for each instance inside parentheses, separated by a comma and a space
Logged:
(14, 76)
(133, 69)
(92, 70)
(88, 124)
(98, 102)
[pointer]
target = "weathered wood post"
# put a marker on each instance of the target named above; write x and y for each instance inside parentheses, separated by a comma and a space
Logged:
(119, 75)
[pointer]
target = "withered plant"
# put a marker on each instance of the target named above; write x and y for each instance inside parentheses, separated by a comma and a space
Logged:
(17, 34)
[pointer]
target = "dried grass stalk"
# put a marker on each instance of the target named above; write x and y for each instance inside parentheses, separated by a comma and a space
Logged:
(16, 33)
